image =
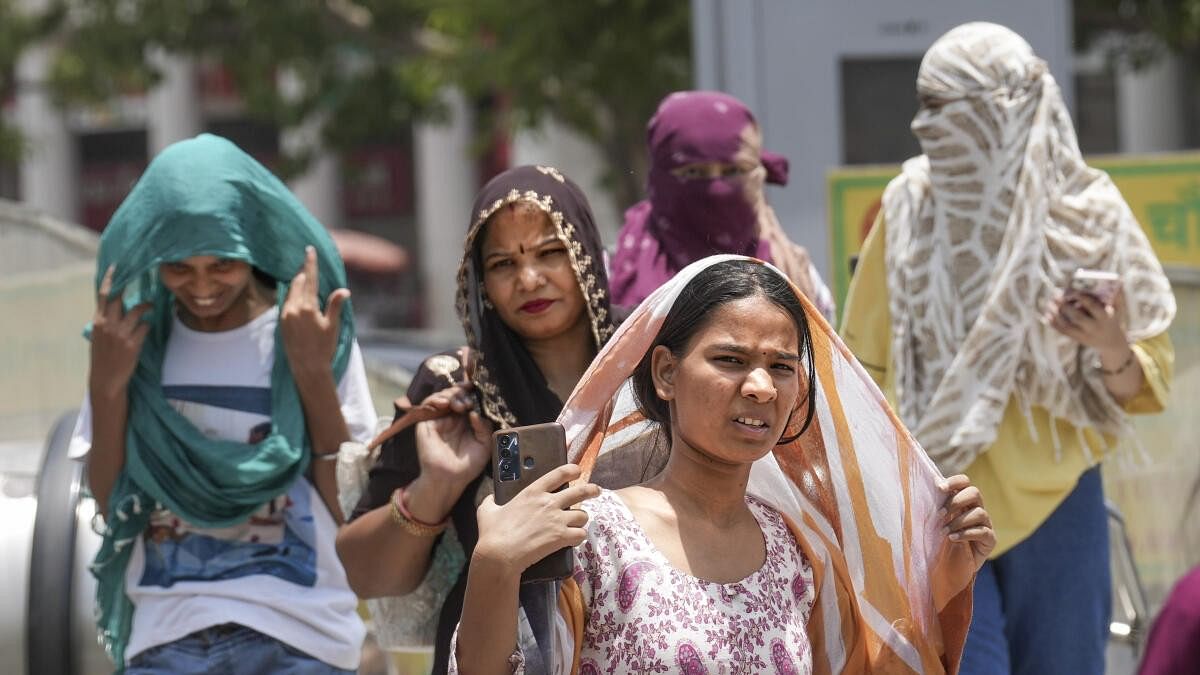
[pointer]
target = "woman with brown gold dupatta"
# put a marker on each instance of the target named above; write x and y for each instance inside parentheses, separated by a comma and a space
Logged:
(796, 527)
(533, 299)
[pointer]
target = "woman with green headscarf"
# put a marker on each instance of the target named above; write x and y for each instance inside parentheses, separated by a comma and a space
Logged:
(224, 377)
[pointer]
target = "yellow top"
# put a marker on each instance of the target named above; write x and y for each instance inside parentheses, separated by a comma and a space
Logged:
(1021, 481)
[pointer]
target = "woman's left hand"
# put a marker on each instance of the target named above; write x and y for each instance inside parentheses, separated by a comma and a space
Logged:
(1083, 318)
(964, 518)
(310, 335)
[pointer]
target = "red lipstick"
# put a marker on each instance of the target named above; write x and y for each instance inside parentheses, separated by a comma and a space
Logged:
(536, 306)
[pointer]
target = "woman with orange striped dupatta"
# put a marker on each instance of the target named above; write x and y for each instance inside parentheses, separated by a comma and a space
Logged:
(795, 527)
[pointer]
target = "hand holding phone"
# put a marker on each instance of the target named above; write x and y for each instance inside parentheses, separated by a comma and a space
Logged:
(1089, 311)
(530, 476)
(1101, 285)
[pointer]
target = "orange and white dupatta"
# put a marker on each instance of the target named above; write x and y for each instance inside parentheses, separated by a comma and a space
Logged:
(894, 594)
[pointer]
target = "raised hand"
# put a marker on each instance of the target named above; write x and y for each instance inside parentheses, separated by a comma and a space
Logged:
(964, 518)
(310, 335)
(117, 338)
(455, 447)
(534, 524)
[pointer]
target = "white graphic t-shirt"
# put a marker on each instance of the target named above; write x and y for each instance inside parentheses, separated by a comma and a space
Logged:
(278, 572)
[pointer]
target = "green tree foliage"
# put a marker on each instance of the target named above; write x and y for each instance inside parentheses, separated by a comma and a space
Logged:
(1175, 22)
(1148, 27)
(19, 27)
(365, 68)
(599, 66)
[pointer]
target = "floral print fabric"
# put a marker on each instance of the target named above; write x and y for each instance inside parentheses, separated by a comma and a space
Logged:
(645, 616)
(642, 615)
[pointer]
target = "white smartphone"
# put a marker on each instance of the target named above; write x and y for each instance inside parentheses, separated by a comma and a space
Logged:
(1101, 285)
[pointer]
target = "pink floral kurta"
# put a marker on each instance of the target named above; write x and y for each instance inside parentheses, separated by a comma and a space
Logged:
(644, 616)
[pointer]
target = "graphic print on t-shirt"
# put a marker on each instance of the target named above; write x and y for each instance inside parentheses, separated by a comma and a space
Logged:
(278, 540)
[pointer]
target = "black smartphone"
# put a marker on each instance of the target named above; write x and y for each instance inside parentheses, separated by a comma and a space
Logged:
(520, 456)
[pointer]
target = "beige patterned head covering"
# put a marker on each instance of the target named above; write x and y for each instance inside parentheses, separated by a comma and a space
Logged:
(982, 230)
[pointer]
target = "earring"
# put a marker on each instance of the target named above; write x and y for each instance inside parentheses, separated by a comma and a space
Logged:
(484, 300)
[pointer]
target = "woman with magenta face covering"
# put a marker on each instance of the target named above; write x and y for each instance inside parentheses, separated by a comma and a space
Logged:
(705, 196)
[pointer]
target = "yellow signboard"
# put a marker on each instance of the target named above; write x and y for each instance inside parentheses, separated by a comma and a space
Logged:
(1162, 190)
(854, 197)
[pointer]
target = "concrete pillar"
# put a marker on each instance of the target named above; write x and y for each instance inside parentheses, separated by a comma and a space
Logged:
(1150, 110)
(446, 183)
(50, 167)
(320, 187)
(555, 145)
(173, 107)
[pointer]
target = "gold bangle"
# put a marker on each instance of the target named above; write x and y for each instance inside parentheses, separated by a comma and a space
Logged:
(404, 519)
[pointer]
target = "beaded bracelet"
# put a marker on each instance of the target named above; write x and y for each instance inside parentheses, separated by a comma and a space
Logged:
(404, 519)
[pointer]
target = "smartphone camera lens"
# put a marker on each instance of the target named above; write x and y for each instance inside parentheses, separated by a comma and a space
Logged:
(507, 466)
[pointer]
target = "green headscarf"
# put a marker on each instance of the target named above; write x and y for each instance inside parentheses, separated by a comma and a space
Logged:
(202, 196)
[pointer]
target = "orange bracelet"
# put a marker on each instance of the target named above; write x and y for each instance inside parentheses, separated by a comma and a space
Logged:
(404, 519)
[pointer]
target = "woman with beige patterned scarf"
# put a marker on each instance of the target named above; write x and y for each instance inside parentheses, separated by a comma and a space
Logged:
(1000, 371)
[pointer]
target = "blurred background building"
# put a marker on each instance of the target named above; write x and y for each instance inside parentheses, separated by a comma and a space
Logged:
(403, 113)
(832, 85)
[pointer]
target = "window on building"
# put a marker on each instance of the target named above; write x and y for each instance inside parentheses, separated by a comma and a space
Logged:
(1096, 112)
(879, 100)
(378, 199)
(10, 181)
(1191, 97)
(10, 172)
(110, 162)
(260, 140)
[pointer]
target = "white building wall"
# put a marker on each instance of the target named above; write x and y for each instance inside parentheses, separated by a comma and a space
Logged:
(173, 107)
(319, 187)
(1150, 112)
(50, 167)
(782, 58)
(445, 189)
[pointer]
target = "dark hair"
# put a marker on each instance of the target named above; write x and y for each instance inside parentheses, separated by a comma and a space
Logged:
(719, 284)
(264, 278)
